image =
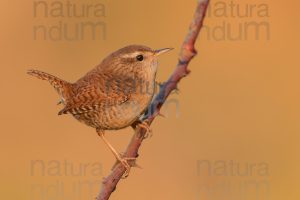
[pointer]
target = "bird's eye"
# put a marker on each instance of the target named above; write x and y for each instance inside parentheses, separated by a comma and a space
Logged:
(140, 57)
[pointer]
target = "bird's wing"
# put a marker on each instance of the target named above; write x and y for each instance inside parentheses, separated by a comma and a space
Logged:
(93, 93)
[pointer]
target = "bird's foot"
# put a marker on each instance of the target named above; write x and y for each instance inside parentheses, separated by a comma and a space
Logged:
(145, 125)
(127, 162)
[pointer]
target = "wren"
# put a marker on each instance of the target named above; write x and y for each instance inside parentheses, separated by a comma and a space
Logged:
(114, 94)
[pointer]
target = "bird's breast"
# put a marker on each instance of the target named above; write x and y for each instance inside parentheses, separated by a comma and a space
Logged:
(123, 115)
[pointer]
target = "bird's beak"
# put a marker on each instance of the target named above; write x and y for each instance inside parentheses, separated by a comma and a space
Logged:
(162, 51)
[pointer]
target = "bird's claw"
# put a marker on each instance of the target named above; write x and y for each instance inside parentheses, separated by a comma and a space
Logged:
(145, 125)
(127, 163)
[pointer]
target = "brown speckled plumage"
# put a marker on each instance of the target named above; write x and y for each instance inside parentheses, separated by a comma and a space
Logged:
(115, 93)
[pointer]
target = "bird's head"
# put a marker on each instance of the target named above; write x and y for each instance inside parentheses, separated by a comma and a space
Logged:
(134, 58)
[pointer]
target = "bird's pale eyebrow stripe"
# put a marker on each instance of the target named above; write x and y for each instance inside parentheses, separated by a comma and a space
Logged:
(131, 55)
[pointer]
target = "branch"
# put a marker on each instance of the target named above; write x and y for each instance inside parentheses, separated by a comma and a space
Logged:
(187, 53)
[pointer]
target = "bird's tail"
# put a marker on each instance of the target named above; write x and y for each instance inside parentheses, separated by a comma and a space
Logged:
(63, 88)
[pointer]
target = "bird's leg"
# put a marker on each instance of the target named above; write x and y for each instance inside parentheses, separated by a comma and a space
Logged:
(122, 160)
(144, 125)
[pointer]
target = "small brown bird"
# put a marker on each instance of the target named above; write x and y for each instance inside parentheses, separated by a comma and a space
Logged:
(114, 94)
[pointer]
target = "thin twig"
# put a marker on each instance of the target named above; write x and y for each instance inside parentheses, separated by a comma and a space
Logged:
(187, 53)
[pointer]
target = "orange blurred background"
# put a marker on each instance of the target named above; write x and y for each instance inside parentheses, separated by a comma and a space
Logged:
(239, 105)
